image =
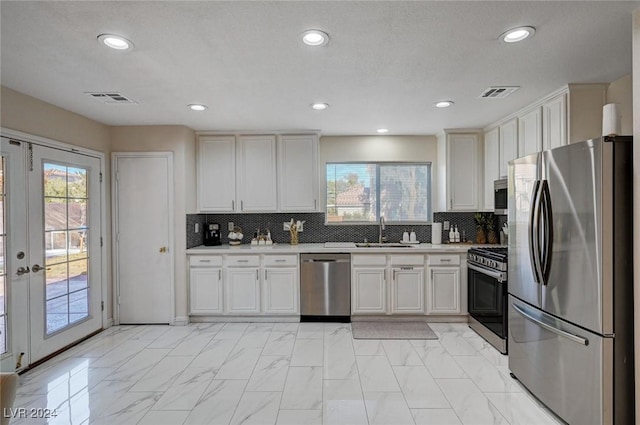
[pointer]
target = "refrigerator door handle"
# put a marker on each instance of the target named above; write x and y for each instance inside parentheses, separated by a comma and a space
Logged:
(547, 231)
(534, 231)
(565, 334)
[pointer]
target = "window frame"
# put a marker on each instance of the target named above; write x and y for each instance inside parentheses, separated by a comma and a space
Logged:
(378, 164)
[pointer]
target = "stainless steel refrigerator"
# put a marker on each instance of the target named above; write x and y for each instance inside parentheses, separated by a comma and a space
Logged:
(571, 279)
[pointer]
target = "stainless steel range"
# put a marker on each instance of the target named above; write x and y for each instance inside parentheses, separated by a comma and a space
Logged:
(487, 280)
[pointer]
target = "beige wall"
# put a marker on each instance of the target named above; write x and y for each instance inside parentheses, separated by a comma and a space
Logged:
(378, 148)
(621, 92)
(636, 202)
(181, 141)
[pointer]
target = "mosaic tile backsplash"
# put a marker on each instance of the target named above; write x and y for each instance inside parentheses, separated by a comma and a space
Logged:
(316, 231)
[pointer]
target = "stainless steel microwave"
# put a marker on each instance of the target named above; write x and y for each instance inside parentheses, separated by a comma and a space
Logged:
(500, 196)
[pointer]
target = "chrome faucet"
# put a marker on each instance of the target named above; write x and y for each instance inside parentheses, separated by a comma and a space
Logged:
(381, 237)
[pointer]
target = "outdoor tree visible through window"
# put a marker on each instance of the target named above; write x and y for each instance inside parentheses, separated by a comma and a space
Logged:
(363, 192)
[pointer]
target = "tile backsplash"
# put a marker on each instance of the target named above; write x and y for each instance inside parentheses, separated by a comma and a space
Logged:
(316, 231)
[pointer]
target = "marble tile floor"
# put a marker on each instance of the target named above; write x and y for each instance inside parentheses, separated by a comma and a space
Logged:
(276, 374)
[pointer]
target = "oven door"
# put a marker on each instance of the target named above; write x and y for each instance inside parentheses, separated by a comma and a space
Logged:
(487, 299)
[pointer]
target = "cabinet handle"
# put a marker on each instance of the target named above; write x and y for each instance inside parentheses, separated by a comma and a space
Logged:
(265, 274)
(394, 274)
(257, 275)
(204, 261)
(241, 205)
(280, 261)
(315, 204)
(406, 268)
(451, 203)
(385, 275)
(445, 260)
(219, 274)
(233, 205)
(243, 261)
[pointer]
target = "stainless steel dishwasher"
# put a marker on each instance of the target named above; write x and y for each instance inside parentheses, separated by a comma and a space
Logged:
(325, 287)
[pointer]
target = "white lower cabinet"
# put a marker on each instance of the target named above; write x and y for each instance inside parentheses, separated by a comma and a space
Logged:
(205, 290)
(444, 290)
(281, 290)
(246, 285)
(407, 290)
(368, 290)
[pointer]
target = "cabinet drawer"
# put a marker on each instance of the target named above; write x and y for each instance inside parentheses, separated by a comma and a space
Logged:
(407, 260)
(243, 260)
(280, 260)
(205, 260)
(369, 260)
(443, 260)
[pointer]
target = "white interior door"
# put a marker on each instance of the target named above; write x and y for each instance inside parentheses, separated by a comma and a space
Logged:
(143, 201)
(65, 290)
(14, 266)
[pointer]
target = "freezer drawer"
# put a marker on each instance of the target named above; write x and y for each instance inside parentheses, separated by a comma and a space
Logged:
(567, 368)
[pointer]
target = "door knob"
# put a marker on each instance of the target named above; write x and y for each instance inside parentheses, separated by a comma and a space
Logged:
(22, 270)
(36, 268)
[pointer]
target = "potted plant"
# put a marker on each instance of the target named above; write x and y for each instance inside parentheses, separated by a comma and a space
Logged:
(481, 237)
(490, 223)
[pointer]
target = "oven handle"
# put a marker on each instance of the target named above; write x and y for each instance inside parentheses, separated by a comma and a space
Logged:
(570, 336)
(491, 273)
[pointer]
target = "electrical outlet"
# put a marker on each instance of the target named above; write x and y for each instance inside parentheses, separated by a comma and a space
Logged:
(197, 228)
(230, 226)
(445, 225)
(286, 226)
(301, 228)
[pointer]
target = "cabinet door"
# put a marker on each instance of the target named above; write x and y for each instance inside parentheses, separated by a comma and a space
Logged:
(281, 290)
(368, 291)
(463, 172)
(216, 174)
(257, 173)
(205, 291)
(407, 293)
(554, 122)
(508, 145)
(491, 165)
(443, 290)
(298, 173)
(530, 132)
(242, 290)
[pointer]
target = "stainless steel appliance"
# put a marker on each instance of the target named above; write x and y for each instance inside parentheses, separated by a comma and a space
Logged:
(500, 197)
(325, 287)
(212, 234)
(487, 292)
(571, 278)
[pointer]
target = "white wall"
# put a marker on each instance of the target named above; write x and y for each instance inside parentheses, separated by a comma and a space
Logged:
(378, 148)
(620, 91)
(181, 141)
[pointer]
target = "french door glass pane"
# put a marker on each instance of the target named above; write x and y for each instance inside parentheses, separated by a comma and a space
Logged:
(3, 261)
(65, 208)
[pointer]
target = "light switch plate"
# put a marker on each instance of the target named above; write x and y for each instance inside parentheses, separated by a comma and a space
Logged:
(197, 228)
(286, 226)
(230, 226)
(445, 225)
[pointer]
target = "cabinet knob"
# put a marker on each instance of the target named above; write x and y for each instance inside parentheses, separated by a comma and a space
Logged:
(163, 249)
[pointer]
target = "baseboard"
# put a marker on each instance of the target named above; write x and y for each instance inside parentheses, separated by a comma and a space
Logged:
(180, 321)
(108, 323)
(267, 319)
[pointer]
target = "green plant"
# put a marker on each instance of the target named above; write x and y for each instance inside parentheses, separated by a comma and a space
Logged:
(490, 221)
(479, 219)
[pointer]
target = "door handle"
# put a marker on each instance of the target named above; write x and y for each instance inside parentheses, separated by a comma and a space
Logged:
(534, 246)
(550, 328)
(163, 249)
(36, 268)
(22, 270)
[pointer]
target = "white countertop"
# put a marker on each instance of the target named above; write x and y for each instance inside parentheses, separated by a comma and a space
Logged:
(320, 247)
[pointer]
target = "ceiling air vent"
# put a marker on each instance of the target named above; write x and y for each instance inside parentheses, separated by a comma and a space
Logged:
(110, 97)
(498, 92)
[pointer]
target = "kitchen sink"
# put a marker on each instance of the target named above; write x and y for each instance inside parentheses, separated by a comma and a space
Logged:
(383, 245)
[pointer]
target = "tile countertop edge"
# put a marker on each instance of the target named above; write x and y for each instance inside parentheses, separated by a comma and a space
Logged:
(319, 247)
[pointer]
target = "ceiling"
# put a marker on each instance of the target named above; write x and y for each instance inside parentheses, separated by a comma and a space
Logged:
(385, 65)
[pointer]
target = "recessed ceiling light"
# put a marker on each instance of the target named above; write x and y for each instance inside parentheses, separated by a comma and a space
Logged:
(517, 34)
(319, 106)
(197, 107)
(382, 130)
(115, 41)
(315, 38)
(444, 104)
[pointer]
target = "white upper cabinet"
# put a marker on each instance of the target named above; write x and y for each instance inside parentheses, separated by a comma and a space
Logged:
(461, 179)
(256, 175)
(491, 165)
(298, 173)
(508, 144)
(216, 174)
(554, 122)
(530, 132)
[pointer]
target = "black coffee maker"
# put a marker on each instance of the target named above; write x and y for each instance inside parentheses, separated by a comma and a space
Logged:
(212, 234)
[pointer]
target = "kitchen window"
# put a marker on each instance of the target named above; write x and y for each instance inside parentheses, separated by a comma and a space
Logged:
(362, 192)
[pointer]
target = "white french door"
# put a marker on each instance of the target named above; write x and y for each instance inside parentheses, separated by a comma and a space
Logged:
(54, 267)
